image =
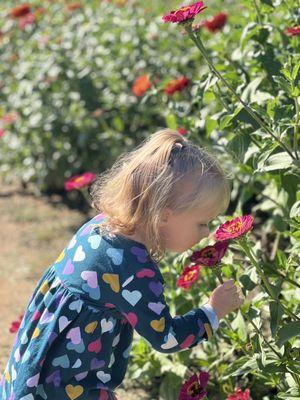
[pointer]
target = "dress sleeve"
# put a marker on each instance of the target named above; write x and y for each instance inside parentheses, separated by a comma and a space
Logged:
(141, 300)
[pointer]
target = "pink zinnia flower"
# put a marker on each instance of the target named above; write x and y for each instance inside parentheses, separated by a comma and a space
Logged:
(176, 85)
(79, 181)
(184, 13)
(2, 132)
(190, 275)
(29, 19)
(210, 255)
(193, 388)
(141, 85)
(15, 325)
(9, 118)
(234, 228)
(294, 31)
(216, 23)
(239, 395)
(182, 131)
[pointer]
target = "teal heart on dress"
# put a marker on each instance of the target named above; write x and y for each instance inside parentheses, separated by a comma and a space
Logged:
(132, 297)
(76, 305)
(41, 392)
(62, 361)
(94, 241)
(116, 255)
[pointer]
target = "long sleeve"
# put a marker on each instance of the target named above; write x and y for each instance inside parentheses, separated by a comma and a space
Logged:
(141, 300)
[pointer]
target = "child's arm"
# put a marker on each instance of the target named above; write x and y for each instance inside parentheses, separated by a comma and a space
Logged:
(142, 301)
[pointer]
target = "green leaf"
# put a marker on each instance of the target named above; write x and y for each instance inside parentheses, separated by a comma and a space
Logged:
(210, 124)
(170, 387)
(171, 121)
(295, 210)
(276, 313)
(287, 332)
(277, 161)
(238, 146)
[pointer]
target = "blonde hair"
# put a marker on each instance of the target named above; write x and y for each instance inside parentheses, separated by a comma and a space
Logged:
(142, 183)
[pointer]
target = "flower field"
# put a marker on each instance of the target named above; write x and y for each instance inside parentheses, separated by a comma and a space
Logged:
(82, 82)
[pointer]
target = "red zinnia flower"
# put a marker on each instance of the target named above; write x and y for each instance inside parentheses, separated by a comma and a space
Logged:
(210, 255)
(27, 20)
(190, 275)
(176, 85)
(184, 13)
(294, 31)
(79, 181)
(193, 388)
(182, 131)
(15, 325)
(234, 228)
(20, 11)
(239, 395)
(216, 23)
(73, 6)
(10, 118)
(141, 85)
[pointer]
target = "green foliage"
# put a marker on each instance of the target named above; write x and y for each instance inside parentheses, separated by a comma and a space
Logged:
(77, 113)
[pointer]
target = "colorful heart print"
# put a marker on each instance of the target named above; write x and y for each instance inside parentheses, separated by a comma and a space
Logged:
(94, 241)
(113, 281)
(116, 255)
(141, 254)
(132, 297)
(79, 254)
(74, 392)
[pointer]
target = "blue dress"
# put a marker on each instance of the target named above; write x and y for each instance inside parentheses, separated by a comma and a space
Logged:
(76, 335)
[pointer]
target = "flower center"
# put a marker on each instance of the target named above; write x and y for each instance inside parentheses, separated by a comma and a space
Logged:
(194, 389)
(235, 227)
(208, 253)
(189, 275)
(79, 179)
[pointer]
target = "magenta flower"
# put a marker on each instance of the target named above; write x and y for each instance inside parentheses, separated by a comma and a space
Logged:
(193, 388)
(210, 255)
(79, 181)
(239, 395)
(189, 275)
(294, 31)
(234, 228)
(184, 13)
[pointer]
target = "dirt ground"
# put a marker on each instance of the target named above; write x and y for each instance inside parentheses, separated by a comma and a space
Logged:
(33, 232)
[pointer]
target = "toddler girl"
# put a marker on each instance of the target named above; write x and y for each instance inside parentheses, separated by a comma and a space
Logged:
(75, 338)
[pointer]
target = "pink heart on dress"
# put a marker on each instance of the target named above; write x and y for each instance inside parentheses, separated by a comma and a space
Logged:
(36, 315)
(75, 335)
(91, 278)
(187, 341)
(33, 381)
(103, 395)
(95, 346)
(69, 268)
(131, 318)
(146, 272)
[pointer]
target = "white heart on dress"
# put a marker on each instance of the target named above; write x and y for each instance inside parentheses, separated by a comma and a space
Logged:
(79, 254)
(103, 377)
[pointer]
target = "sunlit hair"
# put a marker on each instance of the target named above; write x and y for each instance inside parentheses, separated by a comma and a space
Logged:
(134, 192)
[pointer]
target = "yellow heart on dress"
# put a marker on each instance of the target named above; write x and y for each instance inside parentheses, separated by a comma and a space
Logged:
(158, 325)
(91, 327)
(113, 281)
(60, 257)
(44, 288)
(7, 376)
(208, 330)
(74, 391)
(36, 333)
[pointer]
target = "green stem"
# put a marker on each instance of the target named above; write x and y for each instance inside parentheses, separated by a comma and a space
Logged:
(296, 129)
(243, 244)
(258, 12)
(199, 44)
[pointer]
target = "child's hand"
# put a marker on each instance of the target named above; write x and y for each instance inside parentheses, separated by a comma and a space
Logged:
(226, 298)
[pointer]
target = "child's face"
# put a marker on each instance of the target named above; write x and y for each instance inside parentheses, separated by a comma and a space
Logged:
(183, 230)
